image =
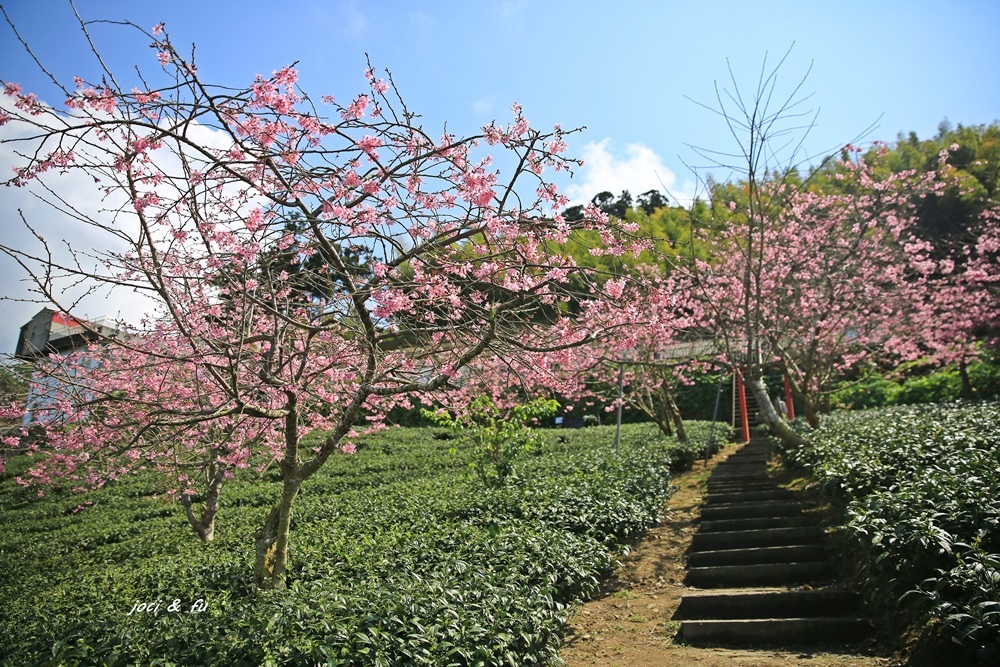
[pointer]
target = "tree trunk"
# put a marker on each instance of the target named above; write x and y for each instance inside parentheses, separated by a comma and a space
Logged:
(272, 538)
(675, 415)
(665, 426)
(205, 525)
(810, 412)
(645, 402)
(771, 417)
(963, 372)
(795, 382)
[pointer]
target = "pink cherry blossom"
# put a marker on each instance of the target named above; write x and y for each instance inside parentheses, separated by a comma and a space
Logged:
(309, 274)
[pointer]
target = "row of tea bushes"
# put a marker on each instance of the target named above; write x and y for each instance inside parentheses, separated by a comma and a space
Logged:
(911, 384)
(922, 486)
(398, 557)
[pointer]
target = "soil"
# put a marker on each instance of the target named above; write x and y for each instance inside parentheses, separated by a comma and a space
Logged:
(628, 624)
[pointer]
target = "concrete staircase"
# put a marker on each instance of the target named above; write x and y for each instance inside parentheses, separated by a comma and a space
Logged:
(762, 566)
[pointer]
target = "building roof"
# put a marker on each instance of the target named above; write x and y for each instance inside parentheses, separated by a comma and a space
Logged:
(51, 331)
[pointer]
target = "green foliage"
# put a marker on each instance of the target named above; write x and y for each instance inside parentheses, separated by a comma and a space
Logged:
(985, 376)
(872, 392)
(943, 385)
(696, 398)
(400, 558)
(672, 229)
(496, 437)
(922, 486)
(949, 217)
(916, 387)
(13, 390)
(978, 154)
(13, 384)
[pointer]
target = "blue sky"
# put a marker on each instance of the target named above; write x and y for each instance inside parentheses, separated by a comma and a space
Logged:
(624, 69)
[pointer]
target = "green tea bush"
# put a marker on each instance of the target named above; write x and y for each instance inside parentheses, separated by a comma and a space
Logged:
(873, 392)
(944, 385)
(400, 559)
(938, 386)
(922, 486)
(496, 437)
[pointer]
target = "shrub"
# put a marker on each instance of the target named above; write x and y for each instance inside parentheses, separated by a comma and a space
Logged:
(401, 559)
(922, 486)
(496, 437)
(920, 387)
(872, 392)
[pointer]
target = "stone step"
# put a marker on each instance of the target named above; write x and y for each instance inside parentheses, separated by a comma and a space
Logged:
(725, 497)
(723, 470)
(764, 508)
(742, 479)
(794, 553)
(765, 574)
(752, 457)
(753, 535)
(756, 523)
(761, 537)
(727, 470)
(748, 455)
(760, 445)
(757, 457)
(739, 604)
(775, 632)
(724, 486)
(758, 463)
(746, 452)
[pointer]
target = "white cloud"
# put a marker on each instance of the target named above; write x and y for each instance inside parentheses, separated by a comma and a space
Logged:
(354, 24)
(637, 169)
(513, 8)
(484, 106)
(59, 215)
(420, 27)
(58, 229)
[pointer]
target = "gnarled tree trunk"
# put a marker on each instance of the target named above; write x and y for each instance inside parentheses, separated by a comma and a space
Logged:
(963, 372)
(771, 417)
(272, 538)
(670, 405)
(204, 526)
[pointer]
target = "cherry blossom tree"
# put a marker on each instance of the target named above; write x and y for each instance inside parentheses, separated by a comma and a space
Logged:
(730, 285)
(313, 264)
(559, 365)
(812, 281)
(645, 368)
(958, 296)
(832, 276)
(647, 361)
(843, 277)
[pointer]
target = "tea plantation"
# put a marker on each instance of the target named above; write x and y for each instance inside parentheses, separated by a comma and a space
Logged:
(399, 556)
(922, 492)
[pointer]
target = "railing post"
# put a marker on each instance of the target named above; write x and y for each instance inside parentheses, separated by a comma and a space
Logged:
(621, 394)
(788, 399)
(715, 418)
(741, 391)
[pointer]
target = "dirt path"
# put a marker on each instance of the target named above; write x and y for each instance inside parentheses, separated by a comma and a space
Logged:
(629, 624)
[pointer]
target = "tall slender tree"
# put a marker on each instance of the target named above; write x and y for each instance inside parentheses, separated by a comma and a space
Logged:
(815, 280)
